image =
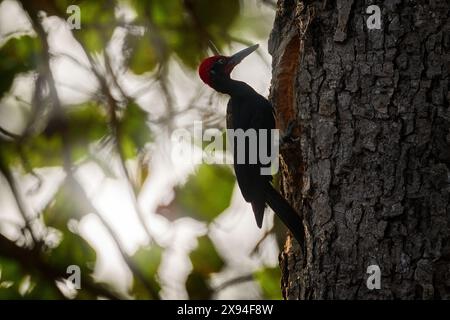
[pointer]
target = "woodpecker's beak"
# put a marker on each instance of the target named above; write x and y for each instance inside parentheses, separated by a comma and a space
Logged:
(236, 58)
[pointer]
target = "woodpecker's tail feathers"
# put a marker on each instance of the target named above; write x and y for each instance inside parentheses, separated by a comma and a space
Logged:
(285, 212)
(258, 210)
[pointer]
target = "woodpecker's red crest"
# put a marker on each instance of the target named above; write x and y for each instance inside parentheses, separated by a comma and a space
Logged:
(221, 65)
(204, 70)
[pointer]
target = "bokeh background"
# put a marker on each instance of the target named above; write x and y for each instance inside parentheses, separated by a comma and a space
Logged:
(89, 173)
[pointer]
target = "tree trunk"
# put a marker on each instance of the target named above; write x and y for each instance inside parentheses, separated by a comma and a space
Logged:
(370, 170)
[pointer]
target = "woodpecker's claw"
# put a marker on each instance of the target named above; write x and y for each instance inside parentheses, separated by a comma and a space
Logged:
(287, 137)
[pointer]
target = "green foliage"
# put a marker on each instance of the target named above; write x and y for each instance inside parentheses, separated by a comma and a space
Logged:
(197, 287)
(181, 28)
(17, 55)
(67, 204)
(189, 46)
(205, 261)
(72, 249)
(86, 124)
(10, 275)
(199, 199)
(8, 152)
(17, 284)
(225, 14)
(148, 260)
(98, 23)
(97, 20)
(133, 130)
(42, 289)
(269, 281)
(82, 126)
(143, 58)
(44, 151)
(170, 29)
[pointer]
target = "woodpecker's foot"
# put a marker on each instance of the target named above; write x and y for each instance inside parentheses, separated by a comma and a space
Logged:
(288, 138)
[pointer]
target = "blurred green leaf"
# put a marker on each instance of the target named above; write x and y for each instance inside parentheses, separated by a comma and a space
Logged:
(97, 23)
(41, 289)
(17, 55)
(15, 284)
(133, 130)
(43, 151)
(67, 204)
(10, 273)
(86, 124)
(142, 57)
(83, 125)
(197, 287)
(73, 250)
(97, 19)
(184, 28)
(269, 281)
(148, 260)
(205, 261)
(207, 193)
(225, 13)
(93, 39)
(190, 46)
(8, 152)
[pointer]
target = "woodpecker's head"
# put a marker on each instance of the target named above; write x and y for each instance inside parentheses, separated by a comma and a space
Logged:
(216, 68)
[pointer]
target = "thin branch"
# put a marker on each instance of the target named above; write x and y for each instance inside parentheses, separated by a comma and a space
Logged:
(29, 169)
(9, 134)
(21, 100)
(77, 89)
(143, 89)
(73, 59)
(235, 281)
(111, 72)
(264, 237)
(18, 198)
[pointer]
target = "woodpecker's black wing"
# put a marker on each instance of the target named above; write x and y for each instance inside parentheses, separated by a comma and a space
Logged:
(250, 110)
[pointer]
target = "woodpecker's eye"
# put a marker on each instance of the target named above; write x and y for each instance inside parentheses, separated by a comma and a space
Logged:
(221, 61)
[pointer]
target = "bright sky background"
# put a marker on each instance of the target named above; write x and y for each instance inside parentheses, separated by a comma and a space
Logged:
(234, 233)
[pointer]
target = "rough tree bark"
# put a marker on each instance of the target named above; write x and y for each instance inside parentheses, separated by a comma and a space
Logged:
(371, 169)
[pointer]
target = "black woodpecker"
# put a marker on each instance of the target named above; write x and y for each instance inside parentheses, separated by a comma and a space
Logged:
(246, 110)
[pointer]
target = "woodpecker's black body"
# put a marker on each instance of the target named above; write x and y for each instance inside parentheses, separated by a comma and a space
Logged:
(249, 110)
